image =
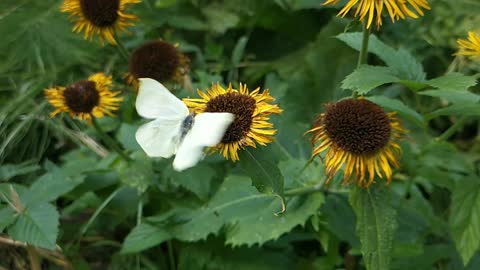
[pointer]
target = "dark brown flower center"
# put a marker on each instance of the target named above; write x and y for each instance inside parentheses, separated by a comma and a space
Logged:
(101, 13)
(357, 126)
(242, 106)
(81, 97)
(157, 60)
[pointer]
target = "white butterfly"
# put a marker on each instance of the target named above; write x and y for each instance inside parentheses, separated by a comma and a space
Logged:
(174, 130)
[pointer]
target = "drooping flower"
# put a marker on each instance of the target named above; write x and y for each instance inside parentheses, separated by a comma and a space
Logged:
(470, 46)
(99, 17)
(86, 98)
(396, 9)
(158, 60)
(358, 134)
(252, 112)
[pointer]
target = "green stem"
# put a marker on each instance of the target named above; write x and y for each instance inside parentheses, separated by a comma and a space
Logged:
(304, 190)
(362, 57)
(139, 221)
(171, 257)
(452, 129)
(109, 141)
(99, 209)
(121, 49)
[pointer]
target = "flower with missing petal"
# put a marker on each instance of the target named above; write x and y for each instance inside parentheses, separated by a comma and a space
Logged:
(470, 47)
(86, 98)
(158, 60)
(99, 17)
(252, 112)
(358, 134)
(396, 9)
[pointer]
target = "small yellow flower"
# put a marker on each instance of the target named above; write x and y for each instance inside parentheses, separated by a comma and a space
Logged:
(470, 47)
(251, 110)
(99, 17)
(85, 98)
(397, 9)
(157, 60)
(357, 133)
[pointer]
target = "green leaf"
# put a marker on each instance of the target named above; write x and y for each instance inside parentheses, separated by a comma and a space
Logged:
(238, 207)
(453, 82)
(265, 175)
(366, 78)
(465, 217)
(126, 136)
(50, 186)
(144, 236)
(138, 173)
(399, 107)
(37, 225)
(165, 3)
(376, 224)
(7, 217)
(8, 171)
(456, 109)
(197, 179)
(405, 65)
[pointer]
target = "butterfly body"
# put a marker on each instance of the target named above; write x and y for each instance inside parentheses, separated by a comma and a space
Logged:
(173, 130)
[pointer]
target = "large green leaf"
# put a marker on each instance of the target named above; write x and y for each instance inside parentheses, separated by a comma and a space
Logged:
(197, 179)
(399, 107)
(366, 78)
(238, 207)
(144, 236)
(376, 224)
(7, 217)
(456, 109)
(465, 217)
(265, 175)
(37, 225)
(405, 65)
(137, 173)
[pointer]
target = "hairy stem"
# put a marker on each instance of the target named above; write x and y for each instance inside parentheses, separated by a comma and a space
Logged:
(453, 128)
(362, 57)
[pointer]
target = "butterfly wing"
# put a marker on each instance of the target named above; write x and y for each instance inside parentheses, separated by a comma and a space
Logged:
(159, 138)
(154, 101)
(207, 130)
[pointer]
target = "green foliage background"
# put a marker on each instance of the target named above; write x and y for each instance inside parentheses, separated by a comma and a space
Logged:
(81, 205)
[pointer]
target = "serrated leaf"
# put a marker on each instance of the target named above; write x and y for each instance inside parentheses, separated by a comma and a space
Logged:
(126, 136)
(465, 217)
(144, 236)
(405, 65)
(50, 186)
(453, 82)
(7, 217)
(400, 108)
(265, 175)
(456, 109)
(37, 225)
(376, 225)
(197, 179)
(238, 207)
(7, 171)
(366, 78)
(138, 173)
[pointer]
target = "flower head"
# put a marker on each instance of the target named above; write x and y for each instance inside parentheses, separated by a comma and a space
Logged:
(251, 110)
(158, 60)
(397, 9)
(470, 47)
(359, 134)
(100, 17)
(85, 98)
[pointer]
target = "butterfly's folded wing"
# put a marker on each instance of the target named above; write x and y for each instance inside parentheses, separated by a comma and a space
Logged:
(159, 138)
(208, 130)
(155, 101)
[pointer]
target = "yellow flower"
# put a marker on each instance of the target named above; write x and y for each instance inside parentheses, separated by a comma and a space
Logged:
(251, 110)
(470, 47)
(85, 98)
(157, 60)
(397, 9)
(357, 133)
(102, 18)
